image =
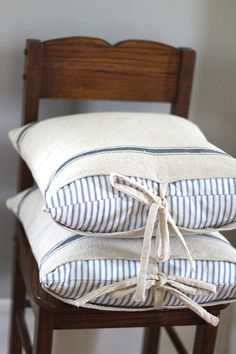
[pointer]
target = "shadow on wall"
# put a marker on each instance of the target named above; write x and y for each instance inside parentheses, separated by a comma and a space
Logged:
(215, 103)
(215, 85)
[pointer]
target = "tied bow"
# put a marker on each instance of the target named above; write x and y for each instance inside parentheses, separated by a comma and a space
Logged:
(160, 283)
(158, 211)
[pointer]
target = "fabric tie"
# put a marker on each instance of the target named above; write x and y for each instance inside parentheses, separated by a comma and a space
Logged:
(160, 283)
(158, 211)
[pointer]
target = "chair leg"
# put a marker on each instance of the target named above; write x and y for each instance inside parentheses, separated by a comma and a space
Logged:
(151, 340)
(18, 304)
(205, 338)
(43, 332)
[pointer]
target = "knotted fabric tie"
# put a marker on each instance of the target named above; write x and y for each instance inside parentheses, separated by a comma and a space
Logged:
(158, 211)
(160, 283)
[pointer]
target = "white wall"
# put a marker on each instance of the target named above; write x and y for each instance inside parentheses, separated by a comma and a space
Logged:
(206, 25)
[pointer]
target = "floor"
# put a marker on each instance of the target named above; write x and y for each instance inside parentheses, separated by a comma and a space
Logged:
(113, 341)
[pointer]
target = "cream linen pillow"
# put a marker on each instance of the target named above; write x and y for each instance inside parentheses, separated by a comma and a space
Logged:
(101, 273)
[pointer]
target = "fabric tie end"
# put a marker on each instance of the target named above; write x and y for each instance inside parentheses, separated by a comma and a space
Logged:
(215, 321)
(139, 295)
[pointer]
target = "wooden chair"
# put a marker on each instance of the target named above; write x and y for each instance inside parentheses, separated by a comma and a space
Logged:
(87, 68)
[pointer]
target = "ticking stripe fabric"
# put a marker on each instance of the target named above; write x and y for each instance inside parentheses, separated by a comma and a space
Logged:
(118, 205)
(72, 266)
(75, 279)
(92, 204)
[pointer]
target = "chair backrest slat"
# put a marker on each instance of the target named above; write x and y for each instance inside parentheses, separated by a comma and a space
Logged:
(90, 68)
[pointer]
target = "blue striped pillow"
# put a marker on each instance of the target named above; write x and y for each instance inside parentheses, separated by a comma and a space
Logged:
(75, 279)
(73, 266)
(92, 205)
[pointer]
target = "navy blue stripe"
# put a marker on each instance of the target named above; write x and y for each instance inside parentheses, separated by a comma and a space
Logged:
(20, 136)
(72, 238)
(143, 150)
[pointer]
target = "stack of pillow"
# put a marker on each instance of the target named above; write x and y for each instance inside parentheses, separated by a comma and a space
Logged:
(127, 211)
